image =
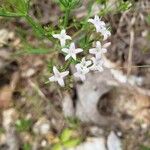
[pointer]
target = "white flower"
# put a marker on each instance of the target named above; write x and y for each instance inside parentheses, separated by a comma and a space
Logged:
(83, 65)
(97, 64)
(99, 50)
(58, 76)
(82, 69)
(62, 37)
(100, 26)
(72, 51)
(81, 74)
(105, 32)
(97, 23)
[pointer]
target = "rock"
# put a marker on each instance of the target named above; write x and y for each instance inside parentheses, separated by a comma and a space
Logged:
(4, 36)
(92, 144)
(89, 94)
(96, 131)
(9, 118)
(113, 142)
(29, 73)
(42, 126)
(67, 106)
(13, 141)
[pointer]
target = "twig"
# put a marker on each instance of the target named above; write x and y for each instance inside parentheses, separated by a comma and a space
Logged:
(130, 52)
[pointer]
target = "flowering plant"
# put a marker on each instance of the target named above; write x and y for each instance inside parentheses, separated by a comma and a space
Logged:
(82, 65)
(85, 53)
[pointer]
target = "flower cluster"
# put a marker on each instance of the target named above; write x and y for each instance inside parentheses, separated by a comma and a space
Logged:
(95, 63)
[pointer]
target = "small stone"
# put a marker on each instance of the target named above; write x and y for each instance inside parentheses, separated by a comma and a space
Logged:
(30, 72)
(43, 143)
(42, 126)
(94, 130)
(9, 118)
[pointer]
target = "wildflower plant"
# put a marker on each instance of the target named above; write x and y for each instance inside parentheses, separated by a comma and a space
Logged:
(83, 50)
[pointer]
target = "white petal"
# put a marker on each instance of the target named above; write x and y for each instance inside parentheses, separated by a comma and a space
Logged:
(88, 63)
(104, 50)
(92, 51)
(55, 70)
(72, 46)
(74, 56)
(68, 37)
(107, 44)
(98, 44)
(100, 68)
(78, 75)
(63, 32)
(91, 20)
(67, 57)
(78, 50)
(64, 74)
(52, 79)
(113, 142)
(61, 82)
(96, 18)
(57, 36)
(65, 50)
(62, 42)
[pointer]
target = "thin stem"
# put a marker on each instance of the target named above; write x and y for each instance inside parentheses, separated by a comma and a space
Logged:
(130, 52)
(36, 26)
(67, 65)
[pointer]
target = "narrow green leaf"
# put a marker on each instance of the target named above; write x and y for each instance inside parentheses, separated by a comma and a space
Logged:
(37, 51)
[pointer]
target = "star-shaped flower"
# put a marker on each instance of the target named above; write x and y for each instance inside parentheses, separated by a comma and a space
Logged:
(99, 50)
(83, 65)
(80, 74)
(97, 64)
(62, 37)
(105, 32)
(72, 51)
(97, 23)
(82, 69)
(58, 76)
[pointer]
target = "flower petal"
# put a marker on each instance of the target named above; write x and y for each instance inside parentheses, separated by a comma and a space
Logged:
(65, 50)
(62, 42)
(67, 57)
(107, 44)
(52, 79)
(61, 82)
(78, 50)
(92, 51)
(74, 56)
(68, 37)
(72, 46)
(64, 74)
(57, 36)
(55, 70)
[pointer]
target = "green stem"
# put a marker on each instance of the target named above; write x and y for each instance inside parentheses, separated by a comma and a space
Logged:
(66, 17)
(67, 65)
(36, 26)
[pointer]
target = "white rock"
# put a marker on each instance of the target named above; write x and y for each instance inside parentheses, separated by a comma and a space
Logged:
(4, 36)
(113, 142)
(92, 144)
(30, 72)
(9, 118)
(67, 105)
(42, 126)
(43, 143)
